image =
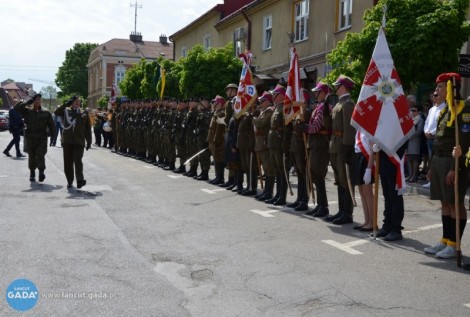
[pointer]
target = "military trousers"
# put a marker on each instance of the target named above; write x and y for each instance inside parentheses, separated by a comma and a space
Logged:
(73, 154)
(318, 168)
(37, 149)
(265, 161)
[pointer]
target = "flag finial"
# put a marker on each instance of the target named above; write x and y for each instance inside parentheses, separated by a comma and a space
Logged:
(384, 19)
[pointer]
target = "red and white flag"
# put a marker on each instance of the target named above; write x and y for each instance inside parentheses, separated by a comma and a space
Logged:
(113, 94)
(246, 94)
(294, 98)
(381, 110)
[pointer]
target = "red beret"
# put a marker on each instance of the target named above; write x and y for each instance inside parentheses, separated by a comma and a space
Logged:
(446, 76)
(266, 96)
(279, 89)
(345, 81)
(321, 86)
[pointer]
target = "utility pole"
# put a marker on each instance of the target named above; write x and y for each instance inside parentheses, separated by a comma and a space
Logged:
(136, 6)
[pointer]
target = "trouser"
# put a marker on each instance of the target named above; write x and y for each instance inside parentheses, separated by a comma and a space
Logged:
(37, 149)
(98, 137)
(318, 163)
(15, 141)
(298, 158)
(73, 154)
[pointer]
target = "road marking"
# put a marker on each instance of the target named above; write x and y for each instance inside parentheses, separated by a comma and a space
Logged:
(175, 176)
(348, 246)
(342, 246)
(264, 213)
(3, 176)
(212, 191)
(467, 305)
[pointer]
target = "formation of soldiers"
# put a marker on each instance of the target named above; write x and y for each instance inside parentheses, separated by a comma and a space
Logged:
(258, 149)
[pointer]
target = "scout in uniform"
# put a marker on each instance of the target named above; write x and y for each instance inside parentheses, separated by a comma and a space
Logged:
(342, 149)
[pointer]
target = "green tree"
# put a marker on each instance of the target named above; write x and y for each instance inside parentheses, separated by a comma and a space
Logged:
(103, 102)
(206, 73)
(49, 94)
(72, 76)
(173, 74)
(130, 84)
(424, 36)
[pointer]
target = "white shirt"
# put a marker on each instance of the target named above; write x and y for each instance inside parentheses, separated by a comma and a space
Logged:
(430, 125)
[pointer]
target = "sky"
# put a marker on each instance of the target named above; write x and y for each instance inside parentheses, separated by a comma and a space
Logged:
(37, 33)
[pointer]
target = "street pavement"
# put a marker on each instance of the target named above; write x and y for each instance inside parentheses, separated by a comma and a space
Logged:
(141, 241)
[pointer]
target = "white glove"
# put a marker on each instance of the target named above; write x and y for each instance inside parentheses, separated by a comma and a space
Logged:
(375, 148)
(221, 121)
(367, 176)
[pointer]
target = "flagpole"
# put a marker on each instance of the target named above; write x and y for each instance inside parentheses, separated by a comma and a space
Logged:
(456, 177)
(376, 195)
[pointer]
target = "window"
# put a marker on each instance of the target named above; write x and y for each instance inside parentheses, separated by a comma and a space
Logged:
(119, 73)
(344, 14)
(183, 51)
(267, 31)
(207, 41)
(301, 20)
(238, 48)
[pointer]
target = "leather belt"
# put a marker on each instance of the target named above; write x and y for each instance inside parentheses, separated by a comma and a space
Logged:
(337, 133)
(325, 132)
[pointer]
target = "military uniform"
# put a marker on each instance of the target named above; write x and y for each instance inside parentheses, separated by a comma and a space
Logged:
(215, 139)
(180, 137)
(76, 135)
(262, 124)
(342, 153)
(202, 128)
(246, 146)
(38, 121)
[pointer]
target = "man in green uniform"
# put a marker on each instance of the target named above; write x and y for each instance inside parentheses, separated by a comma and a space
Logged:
(442, 172)
(202, 128)
(190, 132)
(246, 144)
(180, 137)
(342, 149)
(75, 138)
(215, 139)
(230, 92)
(262, 124)
(37, 122)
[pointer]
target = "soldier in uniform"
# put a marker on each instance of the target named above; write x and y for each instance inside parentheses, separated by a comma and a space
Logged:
(231, 92)
(37, 122)
(190, 131)
(180, 136)
(215, 139)
(202, 128)
(279, 144)
(442, 171)
(246, 145)
(342, 149)
(298, 154)
(262, 124)
(319, 131)
(75, 138)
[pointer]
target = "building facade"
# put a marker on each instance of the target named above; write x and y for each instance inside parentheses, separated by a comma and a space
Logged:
(108, 62)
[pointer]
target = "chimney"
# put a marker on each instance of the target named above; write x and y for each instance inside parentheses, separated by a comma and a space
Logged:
(136, 37)
(163, 39)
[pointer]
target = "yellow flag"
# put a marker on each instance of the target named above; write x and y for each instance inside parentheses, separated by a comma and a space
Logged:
(163, 78)
(450, 103)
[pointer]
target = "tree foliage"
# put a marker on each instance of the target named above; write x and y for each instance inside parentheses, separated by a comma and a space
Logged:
(49, 94)
(201, 73)
(424, 36)
(72, 76)
(103, 102)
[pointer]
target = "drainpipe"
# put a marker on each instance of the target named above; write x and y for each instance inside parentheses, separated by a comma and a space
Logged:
(248, 37)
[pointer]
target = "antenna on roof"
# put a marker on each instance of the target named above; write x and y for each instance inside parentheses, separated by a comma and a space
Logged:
(136, 6)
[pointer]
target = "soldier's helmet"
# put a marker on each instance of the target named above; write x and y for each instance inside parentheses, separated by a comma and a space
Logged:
(234, 86)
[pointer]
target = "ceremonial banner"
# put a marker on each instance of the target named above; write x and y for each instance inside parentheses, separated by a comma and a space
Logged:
(381, 110)
(112, 100)
(294, 98)
(247, 93)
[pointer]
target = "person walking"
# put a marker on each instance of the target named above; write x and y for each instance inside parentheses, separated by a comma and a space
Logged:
(76, 137)
(38, 121)
(16, 125)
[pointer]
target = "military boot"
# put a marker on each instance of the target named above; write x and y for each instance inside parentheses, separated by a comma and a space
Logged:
(340, 205)
(253, 187)
(204, 176)
(282, 192)
(216, 180)
(278, 193)
(221, 173)
(192, 171)
(42, 176)
(32, 176)
(238, 182)
(181, 169)
(268, 189)
(228, 183)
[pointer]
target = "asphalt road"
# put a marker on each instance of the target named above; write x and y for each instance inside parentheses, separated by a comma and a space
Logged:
(140, 241)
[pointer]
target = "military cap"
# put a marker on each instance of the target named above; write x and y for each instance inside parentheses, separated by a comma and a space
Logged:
(266, 96)
(345, 81)
(194, 99)
(231, 86)
(321, 86)
(279, 89)
(447, 76)
(36, 96)
(218, 99)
